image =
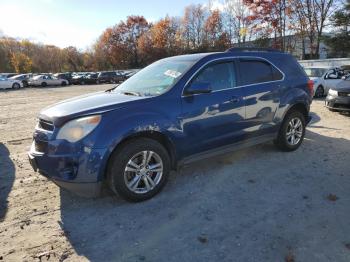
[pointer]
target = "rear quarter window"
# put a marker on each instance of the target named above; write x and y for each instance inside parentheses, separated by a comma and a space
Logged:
(255, 71)
(290, 67)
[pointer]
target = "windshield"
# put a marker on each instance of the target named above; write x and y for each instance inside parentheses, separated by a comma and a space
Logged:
(315, 72)
(156, 78)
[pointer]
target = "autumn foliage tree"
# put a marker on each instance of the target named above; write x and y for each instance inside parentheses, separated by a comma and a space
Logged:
(135, 42)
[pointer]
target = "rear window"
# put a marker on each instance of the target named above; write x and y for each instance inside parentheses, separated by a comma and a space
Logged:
(254, 71)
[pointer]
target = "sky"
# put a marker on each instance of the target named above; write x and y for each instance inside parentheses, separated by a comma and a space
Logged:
(77, 22)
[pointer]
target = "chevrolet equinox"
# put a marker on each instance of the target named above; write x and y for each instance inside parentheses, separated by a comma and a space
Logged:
(173, 112)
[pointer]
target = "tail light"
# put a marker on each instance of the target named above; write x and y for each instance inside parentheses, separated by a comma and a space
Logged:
(310, 86)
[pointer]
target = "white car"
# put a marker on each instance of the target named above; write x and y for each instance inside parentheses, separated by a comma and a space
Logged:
(47, 80)
(324, 78)
(6, 83)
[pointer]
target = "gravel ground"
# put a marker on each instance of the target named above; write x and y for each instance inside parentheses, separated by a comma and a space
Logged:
(257, 204)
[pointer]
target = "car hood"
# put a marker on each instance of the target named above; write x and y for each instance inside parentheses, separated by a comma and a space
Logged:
(343, 86)
(94, 103)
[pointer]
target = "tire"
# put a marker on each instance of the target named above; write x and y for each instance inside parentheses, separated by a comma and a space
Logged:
(63, 83)
(285, 142)
(82, 82)
(43, 84)
(16, 86)
(121, 181)
(319, 92)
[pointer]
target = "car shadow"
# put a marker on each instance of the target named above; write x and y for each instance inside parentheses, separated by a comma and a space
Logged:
(7, 178)
(255, 203)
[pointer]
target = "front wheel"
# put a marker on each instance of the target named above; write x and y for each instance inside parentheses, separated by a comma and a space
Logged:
(139, 169)
(292, 132)
(16, 86)
(63, 83)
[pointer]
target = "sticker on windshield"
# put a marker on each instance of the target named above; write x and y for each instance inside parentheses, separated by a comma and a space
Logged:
(172, 73)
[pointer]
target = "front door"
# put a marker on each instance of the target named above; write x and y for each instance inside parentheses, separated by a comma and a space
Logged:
(214, 119)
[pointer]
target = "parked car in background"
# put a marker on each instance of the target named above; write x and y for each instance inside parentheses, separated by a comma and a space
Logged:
(86, 79)
(130, 74)
(67, 76)
(324, 78)
(6, 83)
(24, 78)
(110, 77)
(128, 137)
(47, 80)
(338, 98)
(7, 75)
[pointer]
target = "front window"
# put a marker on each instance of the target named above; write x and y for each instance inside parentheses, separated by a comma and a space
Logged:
(315, 72)
(156, 78)
(219, 76)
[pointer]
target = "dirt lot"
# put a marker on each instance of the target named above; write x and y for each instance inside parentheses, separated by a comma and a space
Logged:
(257, 204)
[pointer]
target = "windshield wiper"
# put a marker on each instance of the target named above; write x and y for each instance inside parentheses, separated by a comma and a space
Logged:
(130, 93)
(111, 89)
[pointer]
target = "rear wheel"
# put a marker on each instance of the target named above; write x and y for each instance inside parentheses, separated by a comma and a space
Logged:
(139, 169)
(63, 83)
(319, 92)
(292, 131)
(43, 84)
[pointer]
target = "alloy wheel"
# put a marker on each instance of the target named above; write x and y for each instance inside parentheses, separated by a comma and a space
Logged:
(294, 131)
(143, 172)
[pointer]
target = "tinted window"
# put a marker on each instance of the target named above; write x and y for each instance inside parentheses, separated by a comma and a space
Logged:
(277, 75)
(290, 66)
(219, 76)
(257, 71)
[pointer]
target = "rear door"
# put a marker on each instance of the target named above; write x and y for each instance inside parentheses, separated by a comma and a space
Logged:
(261, 84)
(213, 119)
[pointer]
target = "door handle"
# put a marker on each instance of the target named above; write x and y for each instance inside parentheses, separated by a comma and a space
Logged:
(235, 99)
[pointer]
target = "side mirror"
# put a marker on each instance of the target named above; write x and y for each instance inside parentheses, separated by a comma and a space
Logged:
(198, 88)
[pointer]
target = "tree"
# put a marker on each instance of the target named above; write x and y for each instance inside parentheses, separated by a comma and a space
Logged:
(213, 29)
(192, 27)
(271, 16)
(315, 13)
(237, 21)
(21, 63)
(119, 44)
(340, 42)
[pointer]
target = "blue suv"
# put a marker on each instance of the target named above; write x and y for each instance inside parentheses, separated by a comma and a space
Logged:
(173, 112)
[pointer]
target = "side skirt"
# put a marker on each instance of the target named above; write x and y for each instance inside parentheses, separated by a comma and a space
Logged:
(226, 149)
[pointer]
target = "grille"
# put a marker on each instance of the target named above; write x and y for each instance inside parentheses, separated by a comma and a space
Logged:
(41, 146)
(46, 125)
(343, 94)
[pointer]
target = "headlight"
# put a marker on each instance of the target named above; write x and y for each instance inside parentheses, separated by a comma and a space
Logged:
(77, 129)
(333, 92)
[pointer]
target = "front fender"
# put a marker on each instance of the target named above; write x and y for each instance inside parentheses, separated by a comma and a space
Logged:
(125, 122)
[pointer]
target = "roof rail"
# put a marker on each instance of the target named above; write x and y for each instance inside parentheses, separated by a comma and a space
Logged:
(253, 49)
